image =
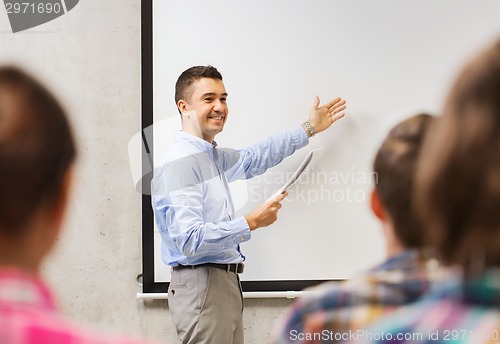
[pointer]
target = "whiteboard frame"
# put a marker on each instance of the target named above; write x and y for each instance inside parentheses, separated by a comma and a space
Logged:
(414, 87)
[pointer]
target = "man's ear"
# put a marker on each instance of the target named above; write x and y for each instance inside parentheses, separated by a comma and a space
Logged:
(182, 105)
(376, 205)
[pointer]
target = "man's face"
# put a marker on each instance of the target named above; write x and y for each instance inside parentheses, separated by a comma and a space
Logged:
(208, 100)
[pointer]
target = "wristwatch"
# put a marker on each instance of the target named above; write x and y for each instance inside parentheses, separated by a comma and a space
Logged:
(309, 128)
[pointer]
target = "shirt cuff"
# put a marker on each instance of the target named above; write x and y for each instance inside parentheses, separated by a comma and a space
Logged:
(241, 229)
(299, 136)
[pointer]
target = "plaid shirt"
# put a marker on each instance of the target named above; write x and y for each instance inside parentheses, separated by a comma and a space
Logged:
(28, 315)
(454, 311)
(336, 307)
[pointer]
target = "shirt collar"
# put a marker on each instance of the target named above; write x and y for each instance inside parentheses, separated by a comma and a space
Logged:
(24, 288)
(407, 258)
(200, 144)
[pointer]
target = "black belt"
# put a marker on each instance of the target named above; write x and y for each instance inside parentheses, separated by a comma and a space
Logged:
(237, 268)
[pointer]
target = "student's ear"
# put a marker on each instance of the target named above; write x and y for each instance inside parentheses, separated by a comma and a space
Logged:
(376, 205)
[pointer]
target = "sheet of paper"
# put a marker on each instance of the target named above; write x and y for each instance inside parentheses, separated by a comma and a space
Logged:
(312, 156)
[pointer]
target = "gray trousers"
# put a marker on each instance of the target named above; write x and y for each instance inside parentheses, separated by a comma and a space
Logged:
(206, 305)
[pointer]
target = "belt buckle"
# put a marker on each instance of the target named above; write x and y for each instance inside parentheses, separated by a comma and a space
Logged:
(239, 267)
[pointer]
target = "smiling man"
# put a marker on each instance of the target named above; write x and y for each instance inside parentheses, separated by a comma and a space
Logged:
(194, 211)
(208, 104)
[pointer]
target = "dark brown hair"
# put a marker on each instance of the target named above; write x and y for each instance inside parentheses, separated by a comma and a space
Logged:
(458, 182)
(36, 148)
(189, 76)
(395, 167)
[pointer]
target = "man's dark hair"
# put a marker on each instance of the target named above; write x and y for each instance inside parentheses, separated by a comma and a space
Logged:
(186, 79)
(36, 149)
(395, 167)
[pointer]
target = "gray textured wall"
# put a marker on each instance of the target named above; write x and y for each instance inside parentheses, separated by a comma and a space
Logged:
(91, 58)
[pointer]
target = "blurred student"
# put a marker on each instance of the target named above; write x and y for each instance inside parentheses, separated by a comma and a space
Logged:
(402, 278)
(458, 199)
(37, 151)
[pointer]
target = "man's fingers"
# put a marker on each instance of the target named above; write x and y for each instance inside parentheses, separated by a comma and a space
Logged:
(279, 198)
(337, 117)
(333, 102)
(316, 103)
(337, 105)
(337, 110)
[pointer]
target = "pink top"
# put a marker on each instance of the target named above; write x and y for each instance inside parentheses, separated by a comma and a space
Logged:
(28, 315)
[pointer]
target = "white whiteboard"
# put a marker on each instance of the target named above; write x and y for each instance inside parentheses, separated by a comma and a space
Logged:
(388, 58)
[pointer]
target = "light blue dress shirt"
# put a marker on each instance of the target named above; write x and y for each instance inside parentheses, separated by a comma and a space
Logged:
(192, 204)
